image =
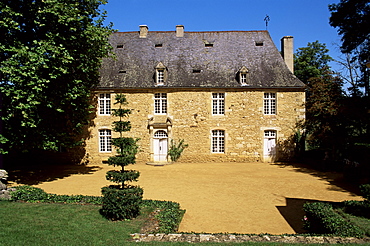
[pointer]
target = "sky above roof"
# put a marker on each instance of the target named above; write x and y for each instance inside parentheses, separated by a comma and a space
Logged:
(305, 20)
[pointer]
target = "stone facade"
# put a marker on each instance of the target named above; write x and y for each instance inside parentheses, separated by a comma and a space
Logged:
(194, 71)
(190, 117)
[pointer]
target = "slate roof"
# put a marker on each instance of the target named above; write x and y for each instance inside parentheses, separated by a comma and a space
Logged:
(134, 66)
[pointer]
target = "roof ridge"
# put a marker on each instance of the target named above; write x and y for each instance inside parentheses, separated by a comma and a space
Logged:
(265, 31)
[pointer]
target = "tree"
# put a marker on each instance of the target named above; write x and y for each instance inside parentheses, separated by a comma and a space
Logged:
(50, 55)
(323, 106)
(311, 61)
(352, 18)
(122, 201)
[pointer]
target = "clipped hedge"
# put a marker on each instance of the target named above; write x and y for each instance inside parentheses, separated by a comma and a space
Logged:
(169, 216)
(32, 194)
(322, 219)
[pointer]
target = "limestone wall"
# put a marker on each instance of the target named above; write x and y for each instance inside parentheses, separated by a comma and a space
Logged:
(189, 117)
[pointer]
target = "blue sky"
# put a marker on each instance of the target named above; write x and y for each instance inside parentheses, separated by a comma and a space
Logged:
(305, 20)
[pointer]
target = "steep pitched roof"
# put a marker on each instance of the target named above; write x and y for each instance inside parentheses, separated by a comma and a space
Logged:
(198, 59)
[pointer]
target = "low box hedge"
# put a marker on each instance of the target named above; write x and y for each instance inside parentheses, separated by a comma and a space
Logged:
(169, 216)
(321, 218)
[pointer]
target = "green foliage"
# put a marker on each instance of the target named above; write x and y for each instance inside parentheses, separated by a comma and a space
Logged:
(169, 216)
(322, 219)
(351, 19)
(50, 56)
(176, 149)
(365, 190)
(122, 201)
(357, 208)
(34, 195)
(311, 61)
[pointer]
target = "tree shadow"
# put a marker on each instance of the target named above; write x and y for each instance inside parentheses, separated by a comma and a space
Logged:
(335, 179)
(293, 213)
(43, 166)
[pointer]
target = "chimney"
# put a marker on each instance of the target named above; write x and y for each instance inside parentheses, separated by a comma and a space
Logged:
(143, 31)
(179, 31)
(287, 51)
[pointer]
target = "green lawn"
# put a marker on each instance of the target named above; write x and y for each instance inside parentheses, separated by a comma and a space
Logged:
(70, 224)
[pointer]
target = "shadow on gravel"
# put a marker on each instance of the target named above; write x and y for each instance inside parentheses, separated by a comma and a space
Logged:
(293, 212)
(335, 179)
(32, 170)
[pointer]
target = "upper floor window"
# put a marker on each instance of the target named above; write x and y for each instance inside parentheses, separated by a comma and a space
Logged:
(105, 140)
(104, 104)
(160, 103)
(243, 78)
(218, 141)
(218, 103)
(269, 103)
(160, 74)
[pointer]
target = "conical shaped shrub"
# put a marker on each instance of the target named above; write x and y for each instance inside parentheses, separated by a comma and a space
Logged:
(122, 201)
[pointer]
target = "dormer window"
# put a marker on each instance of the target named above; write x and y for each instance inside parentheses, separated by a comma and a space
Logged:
(160, 74)
(243, 76)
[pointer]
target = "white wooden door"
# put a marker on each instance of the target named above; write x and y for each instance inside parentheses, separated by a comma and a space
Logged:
(160, 145)
(269, 145)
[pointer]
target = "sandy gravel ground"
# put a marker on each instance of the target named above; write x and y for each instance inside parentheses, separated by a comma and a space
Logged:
(224, 197)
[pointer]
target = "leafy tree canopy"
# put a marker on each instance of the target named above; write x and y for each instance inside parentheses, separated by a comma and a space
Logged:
(352, 18)
(50, 55)
(311, 61)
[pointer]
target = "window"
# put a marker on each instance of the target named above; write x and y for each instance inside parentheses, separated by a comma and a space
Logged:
(243, 78)
(269, 103)
(218, 141)
(160, 103)
(105, 140)
(104, 104)
(218, 103)
(270, 134)
(160, 76)
(243, 75)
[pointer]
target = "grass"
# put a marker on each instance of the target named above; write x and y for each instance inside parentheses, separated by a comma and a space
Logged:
(363, 223)
(72, 224)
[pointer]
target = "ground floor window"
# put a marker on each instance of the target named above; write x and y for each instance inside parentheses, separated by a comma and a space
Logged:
(218, 141)
(105, 140)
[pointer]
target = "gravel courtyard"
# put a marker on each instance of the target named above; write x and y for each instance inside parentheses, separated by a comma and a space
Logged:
(223, 197)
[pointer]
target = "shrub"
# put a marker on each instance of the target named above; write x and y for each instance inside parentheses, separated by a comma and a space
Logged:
(357, 208)
(365, 190)
(27, 193)
(169, 216)
(122, 201)
(176, 149)
(322, 219)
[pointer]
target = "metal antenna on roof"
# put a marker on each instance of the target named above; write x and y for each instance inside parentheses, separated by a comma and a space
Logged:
(267, 19)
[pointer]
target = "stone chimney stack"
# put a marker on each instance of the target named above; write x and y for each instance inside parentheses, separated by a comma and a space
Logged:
(143, 31)
(287, 51)
(179, 31)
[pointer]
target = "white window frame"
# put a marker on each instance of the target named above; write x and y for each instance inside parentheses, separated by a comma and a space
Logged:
(105, 141)
(243, 78)
(218, 141)
(160, 76)
(218, 103)
(160, 103)
(104, 102)
(269, 103)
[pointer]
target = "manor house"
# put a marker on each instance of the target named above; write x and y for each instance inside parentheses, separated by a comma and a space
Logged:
(230, 95)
